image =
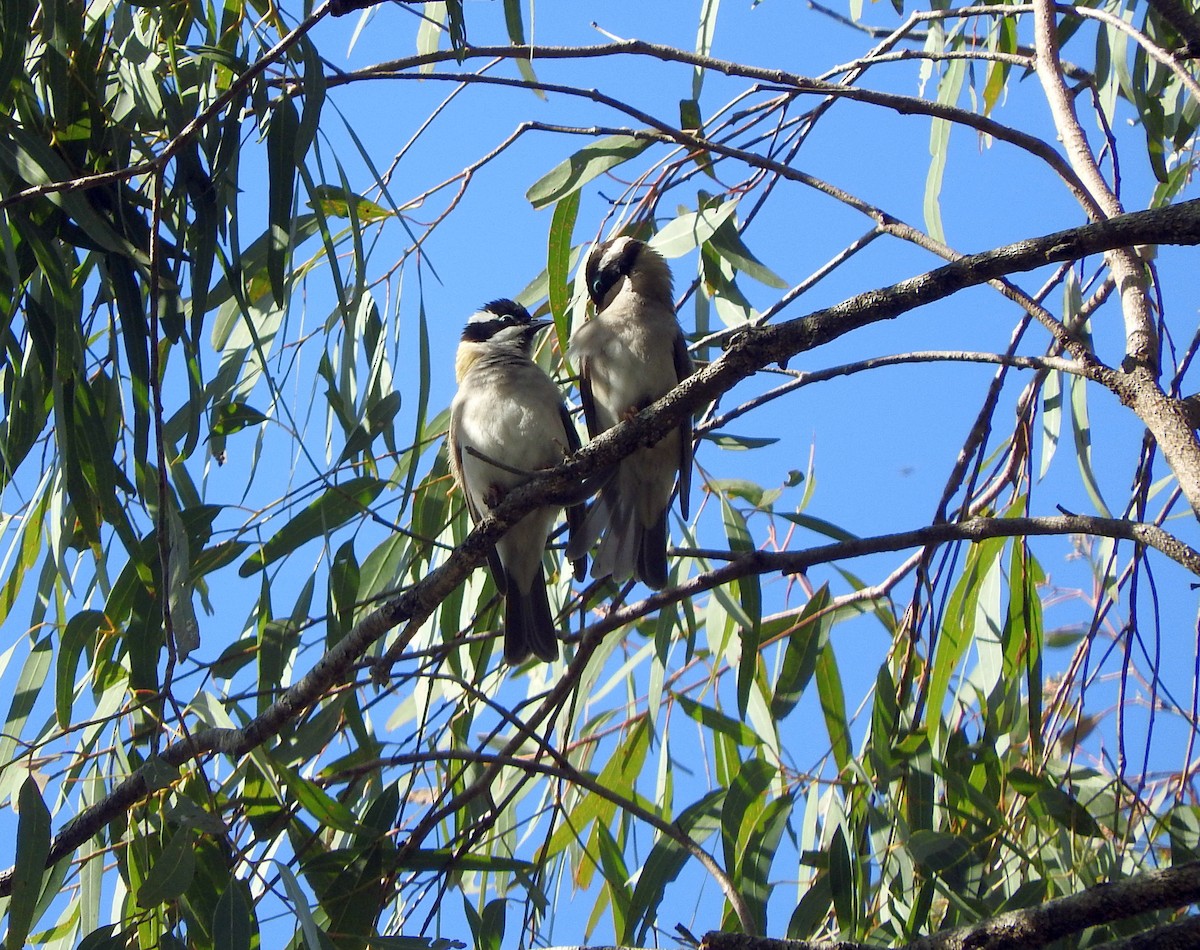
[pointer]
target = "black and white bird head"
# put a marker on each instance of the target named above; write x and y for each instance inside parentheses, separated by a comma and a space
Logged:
(626, 263)
(500, 327)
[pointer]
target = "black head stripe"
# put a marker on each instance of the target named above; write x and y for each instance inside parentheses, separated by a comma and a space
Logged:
(493, 317)
(603, 271)
(510, 310)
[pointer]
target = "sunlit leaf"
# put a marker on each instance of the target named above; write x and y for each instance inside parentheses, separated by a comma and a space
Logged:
(333, 508)
(583, 166)
(336, 202)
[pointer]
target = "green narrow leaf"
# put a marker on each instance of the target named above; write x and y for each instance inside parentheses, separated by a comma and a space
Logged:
(423, 369)
(743, 804)
(313, 84)
(690, 121)
(759, 852)
(1057, 803)
(344, 577)
(691, 229)
(957, 629)
(558, 264)
(716, 720)
(81, 630)
(328, 811)
(1052, 407)
(332, 509)
(666, 859)
(184, 625)
(737, 535)
(1004, 34)
(172, 872)
(29, 685)
(1027, 575)
(939, 144)
(516, 36)
(1081, 427)
(281, 183)
(488, 927)
(583, 166)
(704, 40)
(440, 859)
(738, 443)
(616, 877)
(429, 33)
(833, 705)
(812, 910)
(841, 882)
(820, 526)
(800, 656)
(300, 905)
(29, 869)
(727, 241)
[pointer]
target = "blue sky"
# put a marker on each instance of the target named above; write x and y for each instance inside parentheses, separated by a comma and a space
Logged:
(881, 442)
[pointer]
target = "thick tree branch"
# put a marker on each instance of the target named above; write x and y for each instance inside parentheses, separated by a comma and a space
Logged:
(1032, 927)
(1184, 20)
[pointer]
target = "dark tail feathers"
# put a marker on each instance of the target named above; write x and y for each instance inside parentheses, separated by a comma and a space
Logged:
(528, 623)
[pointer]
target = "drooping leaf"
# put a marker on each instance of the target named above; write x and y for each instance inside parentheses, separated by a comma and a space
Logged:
(664, 862)
(691, 229)
(558, 264)
(232, 925)
(171, 872)
(727, 241)
(949, 88)
(516, 36)
(716, 720)
(281, 170)
(583, 166)
(29, 869)
(332, 509)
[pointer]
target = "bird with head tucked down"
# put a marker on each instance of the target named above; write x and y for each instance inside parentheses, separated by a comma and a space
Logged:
(507, 421)
(631, 353)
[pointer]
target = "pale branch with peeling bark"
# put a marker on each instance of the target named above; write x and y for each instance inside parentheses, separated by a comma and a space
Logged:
(1095, 195)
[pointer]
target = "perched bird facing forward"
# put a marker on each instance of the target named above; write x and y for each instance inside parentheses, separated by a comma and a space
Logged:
(629, 355)
(506, 422)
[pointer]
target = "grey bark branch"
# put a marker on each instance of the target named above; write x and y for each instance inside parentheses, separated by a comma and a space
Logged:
(1038, 926)
(1184, 20)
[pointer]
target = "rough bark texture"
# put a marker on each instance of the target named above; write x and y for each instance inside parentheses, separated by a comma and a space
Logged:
(1038, 926)
(1184, 20)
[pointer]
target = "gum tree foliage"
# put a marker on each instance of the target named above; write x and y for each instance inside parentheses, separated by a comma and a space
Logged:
(256, 693)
